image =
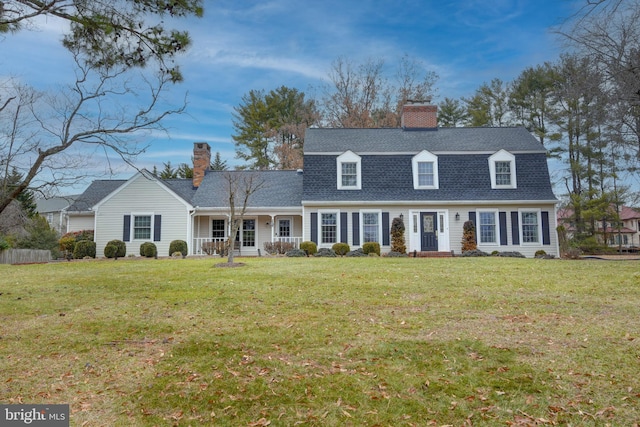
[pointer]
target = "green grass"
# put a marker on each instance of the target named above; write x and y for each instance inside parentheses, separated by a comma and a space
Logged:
(372, 341)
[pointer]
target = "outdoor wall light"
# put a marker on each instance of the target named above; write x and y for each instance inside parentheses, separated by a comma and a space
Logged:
(401, 217)
(457, 216)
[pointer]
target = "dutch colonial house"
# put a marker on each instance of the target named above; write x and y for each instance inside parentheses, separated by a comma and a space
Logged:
(355, 181)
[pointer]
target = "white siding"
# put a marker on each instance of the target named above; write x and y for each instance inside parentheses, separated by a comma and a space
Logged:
(80, 222)
(144, 196)
(453, 227)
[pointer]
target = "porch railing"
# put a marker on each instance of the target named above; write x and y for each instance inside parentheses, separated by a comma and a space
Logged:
(215, 246)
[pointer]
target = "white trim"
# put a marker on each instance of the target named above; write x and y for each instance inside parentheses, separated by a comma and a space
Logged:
(149, 176)
(538, 213)
(434, 202)
(361, 219)
(328, 211)
(424, 157)
(496, 216)
(349, 157)
(132, 227)
(502, 156)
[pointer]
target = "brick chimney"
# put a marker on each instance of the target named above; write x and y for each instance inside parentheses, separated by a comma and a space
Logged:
(419, 115)
(201, 161)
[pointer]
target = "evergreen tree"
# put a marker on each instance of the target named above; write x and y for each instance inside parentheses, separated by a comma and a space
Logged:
(218, 164)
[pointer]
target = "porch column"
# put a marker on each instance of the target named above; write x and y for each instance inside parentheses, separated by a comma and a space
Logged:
(273, 226)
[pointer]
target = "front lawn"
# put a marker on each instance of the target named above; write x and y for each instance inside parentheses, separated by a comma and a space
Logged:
(343, 341)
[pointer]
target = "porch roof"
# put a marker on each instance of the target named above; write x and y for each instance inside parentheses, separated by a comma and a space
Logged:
(278, 189)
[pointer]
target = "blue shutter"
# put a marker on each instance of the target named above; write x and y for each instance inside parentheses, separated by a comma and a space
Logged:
(385, 228)
(344, 231)
(355, 224)
(515, 228)
(546, 236)
(157, 226)
(314, 227)
(503, 228)
(126, 229)
(472, 217)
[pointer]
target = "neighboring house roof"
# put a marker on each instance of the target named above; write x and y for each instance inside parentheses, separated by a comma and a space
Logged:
(441, 140)
(278, 189)
(629, 213)
(96, 191)
(55, 204)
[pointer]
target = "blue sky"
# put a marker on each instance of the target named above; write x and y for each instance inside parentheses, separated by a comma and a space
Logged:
(240, 45)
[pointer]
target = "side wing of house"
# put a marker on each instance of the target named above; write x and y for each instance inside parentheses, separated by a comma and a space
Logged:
(144, 209)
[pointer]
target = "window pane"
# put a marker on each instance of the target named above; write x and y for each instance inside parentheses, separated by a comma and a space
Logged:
(425, 173)
(503, 173)
(488, 227)
(249, 232)
(142, 227)
(530, 227)
(349, 174)
(217, 229)
(370, 226)
(328, 228)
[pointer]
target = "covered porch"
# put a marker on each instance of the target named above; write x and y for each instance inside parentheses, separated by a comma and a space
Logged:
(259, 233)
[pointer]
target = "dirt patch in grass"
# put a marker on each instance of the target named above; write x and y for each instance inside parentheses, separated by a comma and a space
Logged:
(229, 264)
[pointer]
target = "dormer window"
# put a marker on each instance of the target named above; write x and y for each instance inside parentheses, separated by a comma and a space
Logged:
(425, 171)
(349, 171)
(502, 168)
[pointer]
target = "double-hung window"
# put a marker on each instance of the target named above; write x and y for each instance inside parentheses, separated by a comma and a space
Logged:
(425, 171)
(371, 227)
(530, 227)
(502, 170)
(249, 232)
(328, 227)
(142, 227)
(487, 227)
(349, 171)
(217, 229)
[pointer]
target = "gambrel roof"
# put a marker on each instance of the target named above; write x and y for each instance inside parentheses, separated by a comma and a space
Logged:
(440, 140)
(463, 157)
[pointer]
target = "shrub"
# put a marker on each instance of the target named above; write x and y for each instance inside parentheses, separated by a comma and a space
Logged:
(149, 250)
(110, 251)
(4, 244)
(310, 248)
(341, 248)
(540, 253)
(80, 235)
(371, 247)
(84, 248)
(278, 247)
(469, 237)
(397, 236)
(495, 253)
(513, 254)
(357, 253)
(122, 248)
(325, 252)
(67, 244)
(178, 246)
(394, 254)
(296, 253)
(474, 253)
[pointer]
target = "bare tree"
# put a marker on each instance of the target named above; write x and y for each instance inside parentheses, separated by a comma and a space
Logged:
(97, 111)
(361, 96)
(241, 185)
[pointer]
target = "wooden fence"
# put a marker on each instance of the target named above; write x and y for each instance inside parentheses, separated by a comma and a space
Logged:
(24, 256)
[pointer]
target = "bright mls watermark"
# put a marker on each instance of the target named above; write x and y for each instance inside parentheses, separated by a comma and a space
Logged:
(34, 415)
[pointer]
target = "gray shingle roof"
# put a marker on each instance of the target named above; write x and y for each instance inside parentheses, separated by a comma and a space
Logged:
(396, 140)
(96, 191)
(279, 189)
